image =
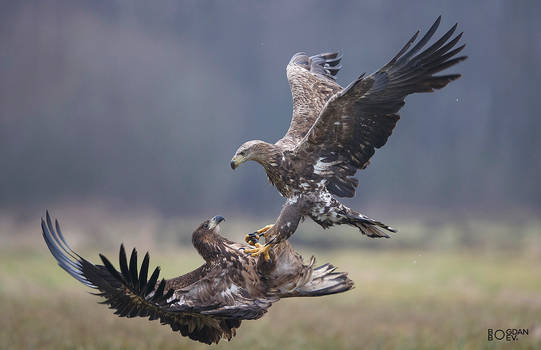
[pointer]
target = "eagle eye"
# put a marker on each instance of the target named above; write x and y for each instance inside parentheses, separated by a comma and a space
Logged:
(206, 225)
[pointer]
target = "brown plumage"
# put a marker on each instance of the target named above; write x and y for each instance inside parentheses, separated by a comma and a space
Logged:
(206, 304)
(334, 131)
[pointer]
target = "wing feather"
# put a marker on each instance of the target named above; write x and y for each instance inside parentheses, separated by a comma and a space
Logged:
(360, 118)
(311, 80)
(206, 311)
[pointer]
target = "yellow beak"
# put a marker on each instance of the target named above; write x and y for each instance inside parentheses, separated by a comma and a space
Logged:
(236, 161)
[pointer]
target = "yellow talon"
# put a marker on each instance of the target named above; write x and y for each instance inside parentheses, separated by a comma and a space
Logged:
(260, 250)
(264, 229)
(252, 238)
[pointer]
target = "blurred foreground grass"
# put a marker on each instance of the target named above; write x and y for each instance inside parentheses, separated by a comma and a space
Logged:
(437, 284)
(404, 299)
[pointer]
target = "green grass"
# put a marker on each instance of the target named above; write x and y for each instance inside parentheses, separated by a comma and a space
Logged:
(404, 299)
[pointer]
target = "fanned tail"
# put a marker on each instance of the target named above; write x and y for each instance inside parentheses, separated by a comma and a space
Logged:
(322, 280)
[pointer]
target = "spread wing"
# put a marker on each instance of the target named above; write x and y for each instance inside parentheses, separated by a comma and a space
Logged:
(312, 83)
(206, 310)
(361, 117)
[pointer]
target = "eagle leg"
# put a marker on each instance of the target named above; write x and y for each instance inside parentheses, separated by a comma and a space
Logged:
(253, 238)
(260, 250)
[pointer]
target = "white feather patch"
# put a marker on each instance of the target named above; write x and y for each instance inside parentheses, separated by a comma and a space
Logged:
(322, 168)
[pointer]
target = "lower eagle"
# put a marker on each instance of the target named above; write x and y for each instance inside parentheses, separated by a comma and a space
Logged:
(210, 302)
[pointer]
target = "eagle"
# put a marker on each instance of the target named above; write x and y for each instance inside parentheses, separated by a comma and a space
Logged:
(334, 131)
(210, 302)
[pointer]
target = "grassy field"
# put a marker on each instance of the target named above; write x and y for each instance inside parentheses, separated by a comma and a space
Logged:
(404, 299)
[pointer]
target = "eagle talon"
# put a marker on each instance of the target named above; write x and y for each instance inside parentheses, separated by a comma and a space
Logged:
(260, 250)
(263, 230)
(252, 238)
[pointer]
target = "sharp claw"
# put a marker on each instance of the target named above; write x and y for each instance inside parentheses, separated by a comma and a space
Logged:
(252, 238)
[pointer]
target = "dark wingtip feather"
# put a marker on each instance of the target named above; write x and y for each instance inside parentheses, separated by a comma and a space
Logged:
(410, 74)
(110, 267)
(123, 263)
(55, 235)
(143, 273)
(169, 294)
(403, 50)
(436, 24)
(72, 267)
(133, 268)
(421, 42)
(61, 236)
(159, 291)
(152, 281)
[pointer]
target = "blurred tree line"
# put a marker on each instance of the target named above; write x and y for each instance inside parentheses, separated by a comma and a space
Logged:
(144, 103)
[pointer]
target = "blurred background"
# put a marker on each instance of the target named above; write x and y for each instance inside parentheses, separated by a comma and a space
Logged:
(121, 118)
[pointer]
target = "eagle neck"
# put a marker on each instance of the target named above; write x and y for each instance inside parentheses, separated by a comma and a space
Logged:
(207, 244)
(273, 163)
(271, 158)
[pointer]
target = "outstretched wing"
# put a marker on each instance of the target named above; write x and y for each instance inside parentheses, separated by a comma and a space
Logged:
(131, 293)
(360, 118)
(312, 83)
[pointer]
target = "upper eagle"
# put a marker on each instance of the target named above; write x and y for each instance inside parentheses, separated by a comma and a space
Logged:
(334, 131)
(209, 302)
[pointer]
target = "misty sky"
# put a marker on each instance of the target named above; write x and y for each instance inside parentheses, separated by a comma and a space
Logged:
(144, 103)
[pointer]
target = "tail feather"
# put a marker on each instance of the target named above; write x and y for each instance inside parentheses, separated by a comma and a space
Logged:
(323, 281)
(367, 226)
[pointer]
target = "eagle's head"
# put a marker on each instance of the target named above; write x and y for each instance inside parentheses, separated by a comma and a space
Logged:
(257, 150)
(210, 225)
(206, 238)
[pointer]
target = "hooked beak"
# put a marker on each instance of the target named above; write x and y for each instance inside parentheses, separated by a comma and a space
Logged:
(235, 162)
(215, 221)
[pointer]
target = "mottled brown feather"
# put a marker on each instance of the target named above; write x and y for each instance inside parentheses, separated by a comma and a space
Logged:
(311, 87)
(207, 304)
(360, 118)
